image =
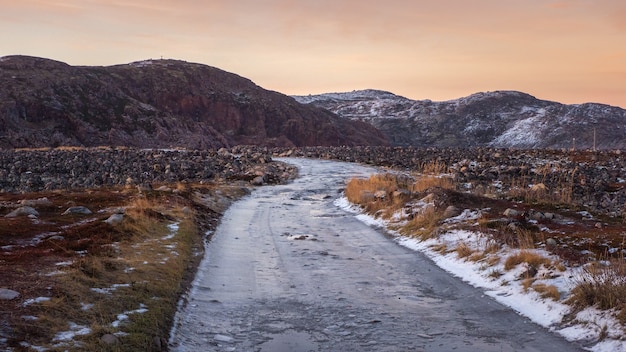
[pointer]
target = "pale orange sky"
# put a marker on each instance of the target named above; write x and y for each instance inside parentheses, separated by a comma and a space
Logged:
(567, 51)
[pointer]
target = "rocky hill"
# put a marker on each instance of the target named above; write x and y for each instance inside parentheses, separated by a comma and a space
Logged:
(156, 104)
(494, 119)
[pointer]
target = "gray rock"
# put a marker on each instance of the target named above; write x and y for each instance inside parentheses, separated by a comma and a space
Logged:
(537, 215)
(511, 213)
(550, 242)
(109, 339)
(23, 211)
(35, 202)
(80, 210)
(257, 181)
(451, 211)
(6, 294)
(380, 194)
(114, 219)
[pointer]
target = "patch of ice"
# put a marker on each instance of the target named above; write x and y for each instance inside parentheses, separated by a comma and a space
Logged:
(466, 215)
(124, 316)
(75, 330)
(173, 231)
(30, 301)
(108, 290)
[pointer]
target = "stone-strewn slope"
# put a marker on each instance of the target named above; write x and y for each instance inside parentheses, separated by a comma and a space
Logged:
(62, 169)
(592, 180)
(156, 103)
(500, 119)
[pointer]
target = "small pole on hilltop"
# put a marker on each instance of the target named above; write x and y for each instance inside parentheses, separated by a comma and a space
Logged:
(594, 139)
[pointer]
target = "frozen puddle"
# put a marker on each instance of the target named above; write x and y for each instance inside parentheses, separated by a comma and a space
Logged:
(290, 341)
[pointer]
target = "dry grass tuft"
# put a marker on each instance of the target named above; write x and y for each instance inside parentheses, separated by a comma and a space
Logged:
(547, 291)
(426, 182)
(495, 274)
(493, 260)
(477, 256)
(525, 239)
(376, 193)
(601, 285)
(424, 224)
(531, 258)
(463, 250)
(527, 283)
(440, 248)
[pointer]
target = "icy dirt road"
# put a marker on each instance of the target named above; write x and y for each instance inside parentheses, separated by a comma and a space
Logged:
(289, 271)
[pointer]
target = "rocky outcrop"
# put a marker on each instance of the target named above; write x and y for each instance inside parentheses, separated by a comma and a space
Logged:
(501, 119)
(156, 104)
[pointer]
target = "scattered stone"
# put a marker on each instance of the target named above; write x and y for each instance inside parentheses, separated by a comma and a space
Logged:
(511, 213)
(78, 210)
(6, 294)
(23, 211)
(109, 339)
(380, 194)
(160, 343)
(550, 242)
(451, 211)
(114, 219)
(537, 215)
(402, 193)
(36, 202)
(598, 225)
(530, 272)
(257, 181)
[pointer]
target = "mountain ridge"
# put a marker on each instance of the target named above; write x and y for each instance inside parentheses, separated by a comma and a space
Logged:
(503, 119)
(154, 104)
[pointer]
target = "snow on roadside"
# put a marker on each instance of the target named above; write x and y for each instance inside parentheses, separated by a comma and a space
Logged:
(505, 287)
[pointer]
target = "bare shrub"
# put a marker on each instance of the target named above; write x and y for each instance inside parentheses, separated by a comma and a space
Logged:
(602, 285)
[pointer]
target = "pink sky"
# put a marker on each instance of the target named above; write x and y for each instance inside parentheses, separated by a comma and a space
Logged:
(569, 51)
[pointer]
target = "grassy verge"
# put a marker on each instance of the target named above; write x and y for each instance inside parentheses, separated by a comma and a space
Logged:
(116, 287)
(421, 206)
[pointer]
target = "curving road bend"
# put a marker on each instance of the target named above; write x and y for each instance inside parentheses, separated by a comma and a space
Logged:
(289, 271)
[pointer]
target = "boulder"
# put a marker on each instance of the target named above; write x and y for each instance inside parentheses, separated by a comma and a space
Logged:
(23, 211)
(511, 213)
(109, 339)
(80, 210)
(6, 294)
(114, 219)
(257, 181)
(451, 211)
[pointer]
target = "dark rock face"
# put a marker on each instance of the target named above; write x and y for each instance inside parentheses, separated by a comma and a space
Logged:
(502, 119)
(156, 104)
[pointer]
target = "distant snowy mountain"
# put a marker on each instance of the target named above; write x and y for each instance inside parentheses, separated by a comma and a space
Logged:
(498, 119)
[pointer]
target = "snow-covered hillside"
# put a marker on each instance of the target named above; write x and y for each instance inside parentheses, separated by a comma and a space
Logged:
(497, 119)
